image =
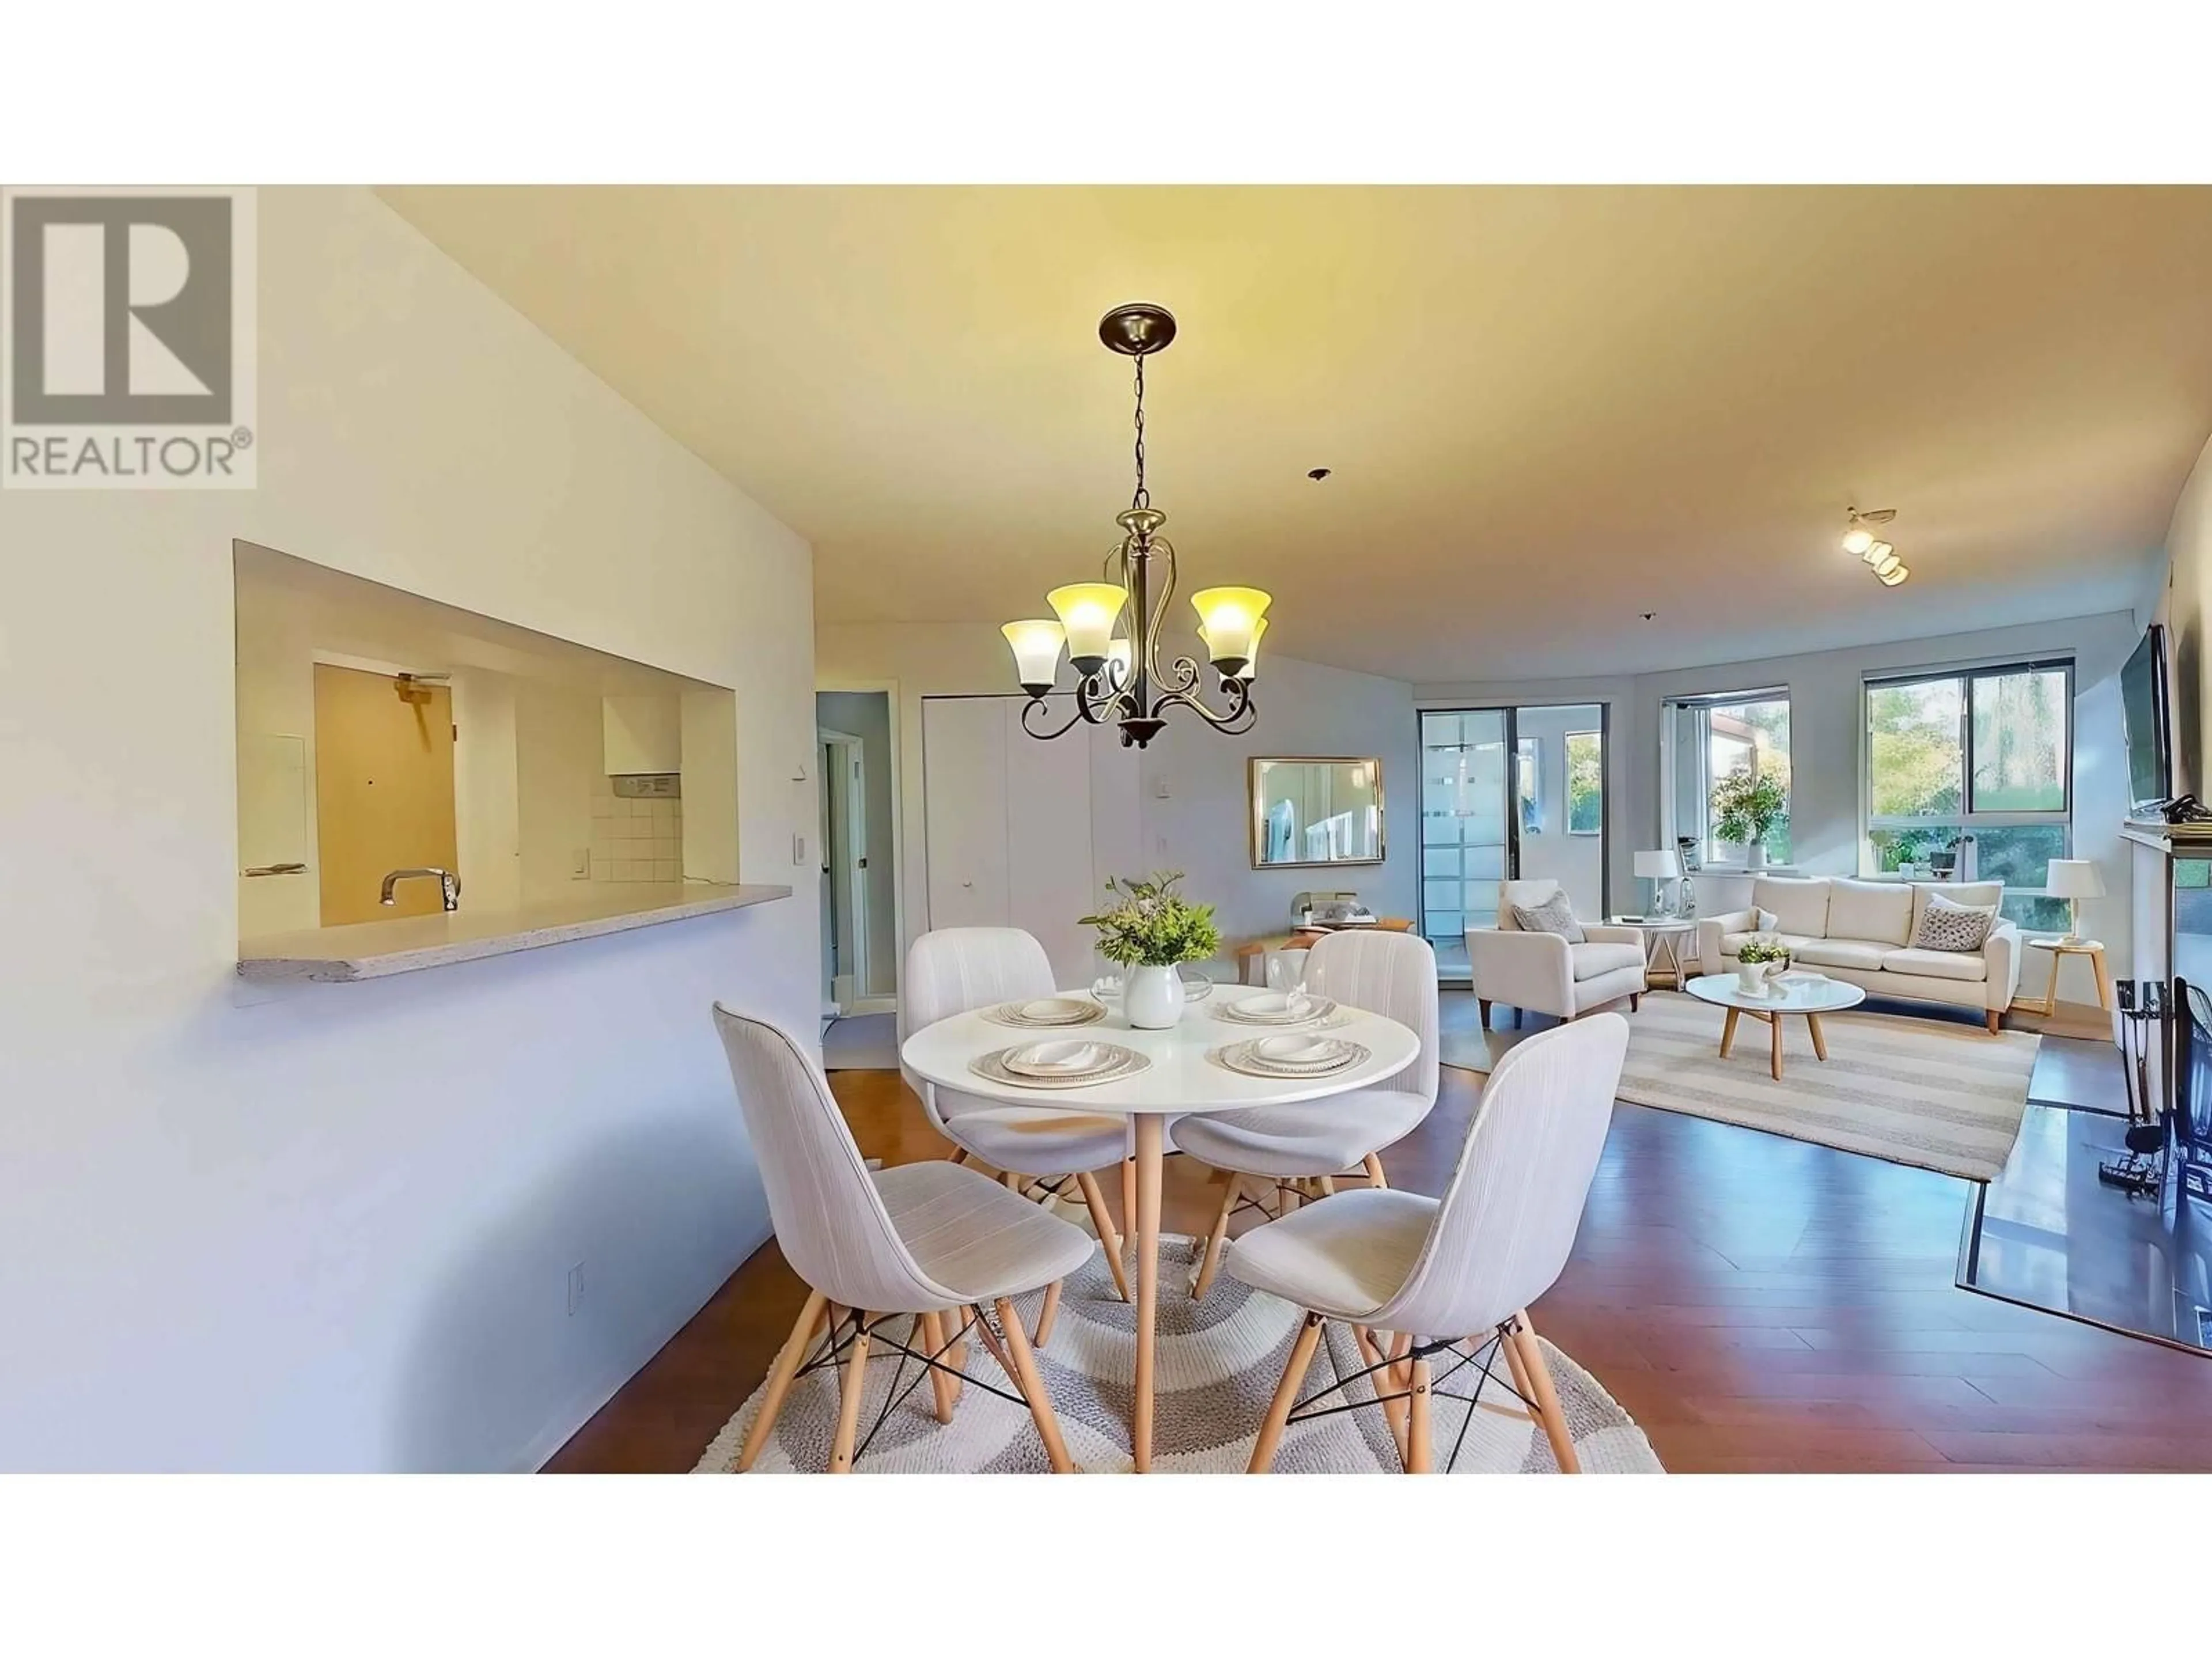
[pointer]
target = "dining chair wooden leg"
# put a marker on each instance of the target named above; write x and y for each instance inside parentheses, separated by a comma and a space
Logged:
(953, 1321)
(1287, 1395)
(1103, 1223)
(1328, 1184)
(1418, 1459)
(1014, 1182)
(1512, 1349)
(943, 1385)
(1049, 1312)
(1547, 1397)
(959, 1155)
(848, 1405)
(1394, 1411)
(1373, 1165)
(991, 1344)
(787, 1365)
(1215, 1239)
(1129, 1193)
(1032, 1387)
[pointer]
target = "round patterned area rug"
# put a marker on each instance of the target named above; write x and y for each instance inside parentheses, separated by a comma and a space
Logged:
(1217, 1365)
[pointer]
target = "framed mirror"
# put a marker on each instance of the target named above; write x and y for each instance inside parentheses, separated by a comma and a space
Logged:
(1315, 810)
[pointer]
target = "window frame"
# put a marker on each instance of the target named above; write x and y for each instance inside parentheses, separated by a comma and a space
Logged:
(1704, 703)
(1968, 819)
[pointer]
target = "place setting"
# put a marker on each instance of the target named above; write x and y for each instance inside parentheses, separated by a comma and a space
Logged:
(1067, 1063)
(1290, 1054)
(1047, 1013)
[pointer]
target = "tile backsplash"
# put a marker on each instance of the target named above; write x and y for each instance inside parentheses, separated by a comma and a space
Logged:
(635, 839)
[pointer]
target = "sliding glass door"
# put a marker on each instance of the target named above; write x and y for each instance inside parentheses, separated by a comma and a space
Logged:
(1483, 819)
(1463, 827)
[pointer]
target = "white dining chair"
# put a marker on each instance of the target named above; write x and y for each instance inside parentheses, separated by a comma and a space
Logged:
(1464, 1267)
(954, 970)
(1269, 1149)
(924, 1239)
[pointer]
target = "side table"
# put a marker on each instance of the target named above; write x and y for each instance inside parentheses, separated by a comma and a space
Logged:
(2047, 1004)
(1663, 942)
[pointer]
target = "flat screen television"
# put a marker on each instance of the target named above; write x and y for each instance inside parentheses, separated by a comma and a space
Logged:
(2147, 723)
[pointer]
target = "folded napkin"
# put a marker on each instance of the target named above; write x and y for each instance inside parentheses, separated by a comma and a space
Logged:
(1055, 1057)
(1301, 1050)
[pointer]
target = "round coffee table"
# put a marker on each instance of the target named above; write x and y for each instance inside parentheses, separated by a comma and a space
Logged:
(1810, 997)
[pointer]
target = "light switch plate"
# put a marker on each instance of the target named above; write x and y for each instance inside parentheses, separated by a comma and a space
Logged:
(799, 850)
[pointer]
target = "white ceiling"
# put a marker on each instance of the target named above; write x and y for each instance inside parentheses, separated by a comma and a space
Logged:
(1547, 410)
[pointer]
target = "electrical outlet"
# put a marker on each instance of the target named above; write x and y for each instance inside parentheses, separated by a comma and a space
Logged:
(575, 1289)
(580, 864)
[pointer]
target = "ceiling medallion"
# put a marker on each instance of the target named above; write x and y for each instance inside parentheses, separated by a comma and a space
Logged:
(1111, 629)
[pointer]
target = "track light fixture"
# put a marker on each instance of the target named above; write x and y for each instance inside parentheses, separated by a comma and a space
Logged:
(1879, 556)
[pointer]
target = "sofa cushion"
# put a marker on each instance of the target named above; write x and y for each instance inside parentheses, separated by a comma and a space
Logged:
(1980, 893)
(1880, 911)
(1556, 915)
(1957, 927)
(1591, 960)
(1937, 965)
(1863, 954)
(1800, 904)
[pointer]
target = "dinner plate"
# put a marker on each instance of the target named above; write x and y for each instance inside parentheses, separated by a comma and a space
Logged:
(1063, 1058)
(1046, 1013)
(1245, 1057)
(1126, 1062)
(1277, 1008)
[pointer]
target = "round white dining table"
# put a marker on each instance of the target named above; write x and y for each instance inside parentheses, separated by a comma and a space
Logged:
(1183, 1078)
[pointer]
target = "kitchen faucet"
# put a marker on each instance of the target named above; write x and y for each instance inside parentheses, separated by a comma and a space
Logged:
(449, 884)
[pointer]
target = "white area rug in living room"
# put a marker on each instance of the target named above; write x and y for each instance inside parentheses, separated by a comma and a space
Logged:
(1929, 1092)
(1219, 1361)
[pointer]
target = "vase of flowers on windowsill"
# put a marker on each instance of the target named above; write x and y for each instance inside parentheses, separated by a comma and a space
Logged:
(1151, 930)
(1748, 807)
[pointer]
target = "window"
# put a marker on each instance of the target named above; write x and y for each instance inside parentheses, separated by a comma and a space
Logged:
(1530, 783)
(1586, 783)
(1972, 775)
(1705, 739)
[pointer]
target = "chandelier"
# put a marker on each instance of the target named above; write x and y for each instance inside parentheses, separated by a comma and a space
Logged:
(1117, 662)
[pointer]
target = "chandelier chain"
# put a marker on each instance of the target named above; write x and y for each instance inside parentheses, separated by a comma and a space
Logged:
(1143, 498)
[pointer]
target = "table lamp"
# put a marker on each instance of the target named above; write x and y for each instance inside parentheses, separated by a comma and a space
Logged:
(1657, 868)
(2073, 880)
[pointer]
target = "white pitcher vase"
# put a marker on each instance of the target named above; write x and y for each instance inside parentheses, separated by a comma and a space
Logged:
(1153, 997)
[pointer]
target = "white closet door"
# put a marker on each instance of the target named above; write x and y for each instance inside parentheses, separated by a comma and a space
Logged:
(964, 806)
(1049, 872)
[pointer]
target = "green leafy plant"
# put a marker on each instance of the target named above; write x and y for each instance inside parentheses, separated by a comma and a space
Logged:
(1747, 808)
(1152, 926)
(1755, 950)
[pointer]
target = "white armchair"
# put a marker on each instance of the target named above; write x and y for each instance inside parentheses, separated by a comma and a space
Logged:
(1543, 971)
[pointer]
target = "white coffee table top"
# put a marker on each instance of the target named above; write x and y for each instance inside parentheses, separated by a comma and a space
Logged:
(1796, 996)
(1181, 1078)
(1654, 923)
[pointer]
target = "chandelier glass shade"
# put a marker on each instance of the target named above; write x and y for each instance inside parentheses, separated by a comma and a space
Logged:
(1111, 629)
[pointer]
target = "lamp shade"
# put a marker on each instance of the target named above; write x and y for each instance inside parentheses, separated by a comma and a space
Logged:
(1252, 663)
(1227, 620)
(1036, 652)
(2074, 878)
(1665, 866)
(1088, 610)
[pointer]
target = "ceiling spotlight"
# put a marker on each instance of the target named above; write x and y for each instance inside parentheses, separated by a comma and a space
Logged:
(1858, 538)
(1896, 574)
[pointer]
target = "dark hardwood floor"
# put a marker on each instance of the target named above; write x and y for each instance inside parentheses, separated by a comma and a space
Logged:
(1757, 1304)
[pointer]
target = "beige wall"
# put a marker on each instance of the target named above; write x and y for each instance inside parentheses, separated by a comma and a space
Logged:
(333, 1228)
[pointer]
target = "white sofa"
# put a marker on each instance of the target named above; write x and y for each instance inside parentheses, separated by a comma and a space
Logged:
(1542, 971)
(1861, 931)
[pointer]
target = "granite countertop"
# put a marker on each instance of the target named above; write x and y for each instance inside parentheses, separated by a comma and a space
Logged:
(373, 950)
